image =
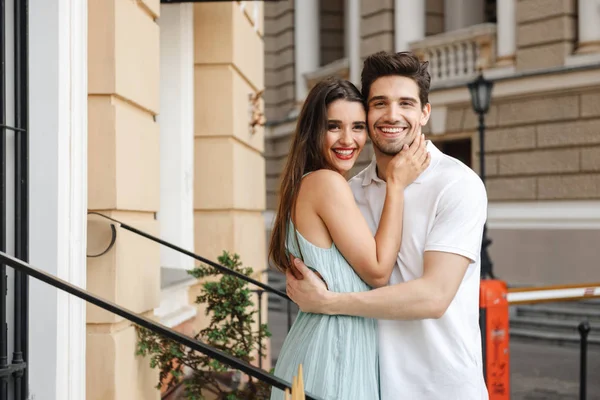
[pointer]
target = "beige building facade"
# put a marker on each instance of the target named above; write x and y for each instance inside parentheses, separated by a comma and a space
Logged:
(542, 131)
(148, 113)
(171, 151)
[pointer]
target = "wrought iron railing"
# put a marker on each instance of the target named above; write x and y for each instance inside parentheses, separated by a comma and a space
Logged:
(206, 261)
(263, 288)
(14, 137)
(147, 323)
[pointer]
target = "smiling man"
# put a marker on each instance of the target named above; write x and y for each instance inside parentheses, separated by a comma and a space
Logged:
(429, 336)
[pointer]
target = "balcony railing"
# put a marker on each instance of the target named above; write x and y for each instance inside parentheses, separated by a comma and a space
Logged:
(457, 56)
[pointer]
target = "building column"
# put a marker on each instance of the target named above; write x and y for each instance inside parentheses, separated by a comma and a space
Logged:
(176, 120)
(124, 183)
(352, 34)
(589, 28)
(58, 195)
(460, 14)
(229, 171)
(307, 42)
(409, 23)
(506, 28)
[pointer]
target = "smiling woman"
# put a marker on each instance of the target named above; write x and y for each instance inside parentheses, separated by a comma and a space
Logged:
(346, 134)
(320, 141)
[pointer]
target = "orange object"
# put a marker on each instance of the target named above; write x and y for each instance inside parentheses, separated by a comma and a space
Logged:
(494, 321)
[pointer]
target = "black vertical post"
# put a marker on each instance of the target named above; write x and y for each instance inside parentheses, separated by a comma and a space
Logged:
(584, 329)
(260, 351)
(482, 147)
(483, 327)
(3, 283)
(21, 194)
(486, 261)
(485, 258)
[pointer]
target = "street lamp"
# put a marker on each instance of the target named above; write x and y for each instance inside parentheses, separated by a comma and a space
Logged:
(481, 95)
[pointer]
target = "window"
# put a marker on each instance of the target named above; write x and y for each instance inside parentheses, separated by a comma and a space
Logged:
(458, 148)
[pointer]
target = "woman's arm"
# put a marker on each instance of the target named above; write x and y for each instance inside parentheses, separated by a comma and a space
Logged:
(373, 258)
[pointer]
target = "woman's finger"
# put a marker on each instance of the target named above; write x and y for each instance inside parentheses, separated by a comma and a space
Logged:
(422, 157)
(414, 146)
(427, 160)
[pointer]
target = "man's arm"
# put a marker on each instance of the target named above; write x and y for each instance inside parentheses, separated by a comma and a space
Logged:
(422, 298)
(453, 241)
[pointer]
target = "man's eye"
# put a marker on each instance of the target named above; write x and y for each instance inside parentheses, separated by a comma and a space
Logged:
(379, 104)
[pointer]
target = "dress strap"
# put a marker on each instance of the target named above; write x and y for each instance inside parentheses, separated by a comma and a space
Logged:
(298, 242)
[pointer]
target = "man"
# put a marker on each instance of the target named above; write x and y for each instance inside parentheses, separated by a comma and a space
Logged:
(429, 336)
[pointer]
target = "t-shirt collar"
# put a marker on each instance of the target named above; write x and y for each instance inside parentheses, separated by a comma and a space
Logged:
(371, 171)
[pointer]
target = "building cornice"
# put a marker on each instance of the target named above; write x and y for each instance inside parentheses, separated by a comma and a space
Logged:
(544, 215)
(524, 83)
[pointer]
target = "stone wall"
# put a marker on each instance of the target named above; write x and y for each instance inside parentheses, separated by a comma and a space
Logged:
(543, 147)
(376, 27)
(332, 31)
(279, 59)
(546, 32)
(434, 22)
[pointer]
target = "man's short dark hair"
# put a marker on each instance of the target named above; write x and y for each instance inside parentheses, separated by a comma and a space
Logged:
(402, 64)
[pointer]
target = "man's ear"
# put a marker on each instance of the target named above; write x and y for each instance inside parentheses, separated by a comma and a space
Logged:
(425, 114)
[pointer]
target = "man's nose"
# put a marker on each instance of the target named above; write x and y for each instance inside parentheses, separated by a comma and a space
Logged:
(393, 113)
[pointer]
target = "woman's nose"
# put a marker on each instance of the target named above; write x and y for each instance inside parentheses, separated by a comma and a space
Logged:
(346, 138)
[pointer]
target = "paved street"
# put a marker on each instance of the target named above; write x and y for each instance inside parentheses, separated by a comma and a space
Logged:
(549, 372)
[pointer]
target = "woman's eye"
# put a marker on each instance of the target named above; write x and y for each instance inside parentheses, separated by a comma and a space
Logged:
(333, 127)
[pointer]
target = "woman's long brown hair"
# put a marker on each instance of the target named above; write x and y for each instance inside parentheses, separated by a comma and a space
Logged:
(306, 155)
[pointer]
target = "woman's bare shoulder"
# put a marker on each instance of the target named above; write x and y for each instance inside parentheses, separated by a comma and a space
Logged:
(323, 185)
(324, 177)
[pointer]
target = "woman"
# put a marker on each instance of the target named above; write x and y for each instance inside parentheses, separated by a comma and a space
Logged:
(319, 222)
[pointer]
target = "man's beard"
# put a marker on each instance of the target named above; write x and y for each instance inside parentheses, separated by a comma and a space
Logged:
(390, 149)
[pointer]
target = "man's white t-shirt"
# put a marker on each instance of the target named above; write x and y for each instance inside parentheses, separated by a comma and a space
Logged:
(444, 210)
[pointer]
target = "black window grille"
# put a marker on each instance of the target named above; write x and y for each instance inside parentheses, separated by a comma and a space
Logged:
(14, 100)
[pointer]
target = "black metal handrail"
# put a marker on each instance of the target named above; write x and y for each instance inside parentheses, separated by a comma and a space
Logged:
(147, 323)
(263, 287)
(213, 264)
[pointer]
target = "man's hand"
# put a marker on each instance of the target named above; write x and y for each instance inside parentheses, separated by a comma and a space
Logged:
(293, 269)
(309, 292)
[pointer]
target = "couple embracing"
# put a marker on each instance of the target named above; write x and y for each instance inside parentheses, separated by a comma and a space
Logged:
(385, 267)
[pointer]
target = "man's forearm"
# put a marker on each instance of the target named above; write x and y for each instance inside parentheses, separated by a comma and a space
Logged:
(404, 301)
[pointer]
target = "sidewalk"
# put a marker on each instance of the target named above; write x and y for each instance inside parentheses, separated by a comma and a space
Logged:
(548, 372)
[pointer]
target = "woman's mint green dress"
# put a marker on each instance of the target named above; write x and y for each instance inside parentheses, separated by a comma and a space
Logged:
(338, 353)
